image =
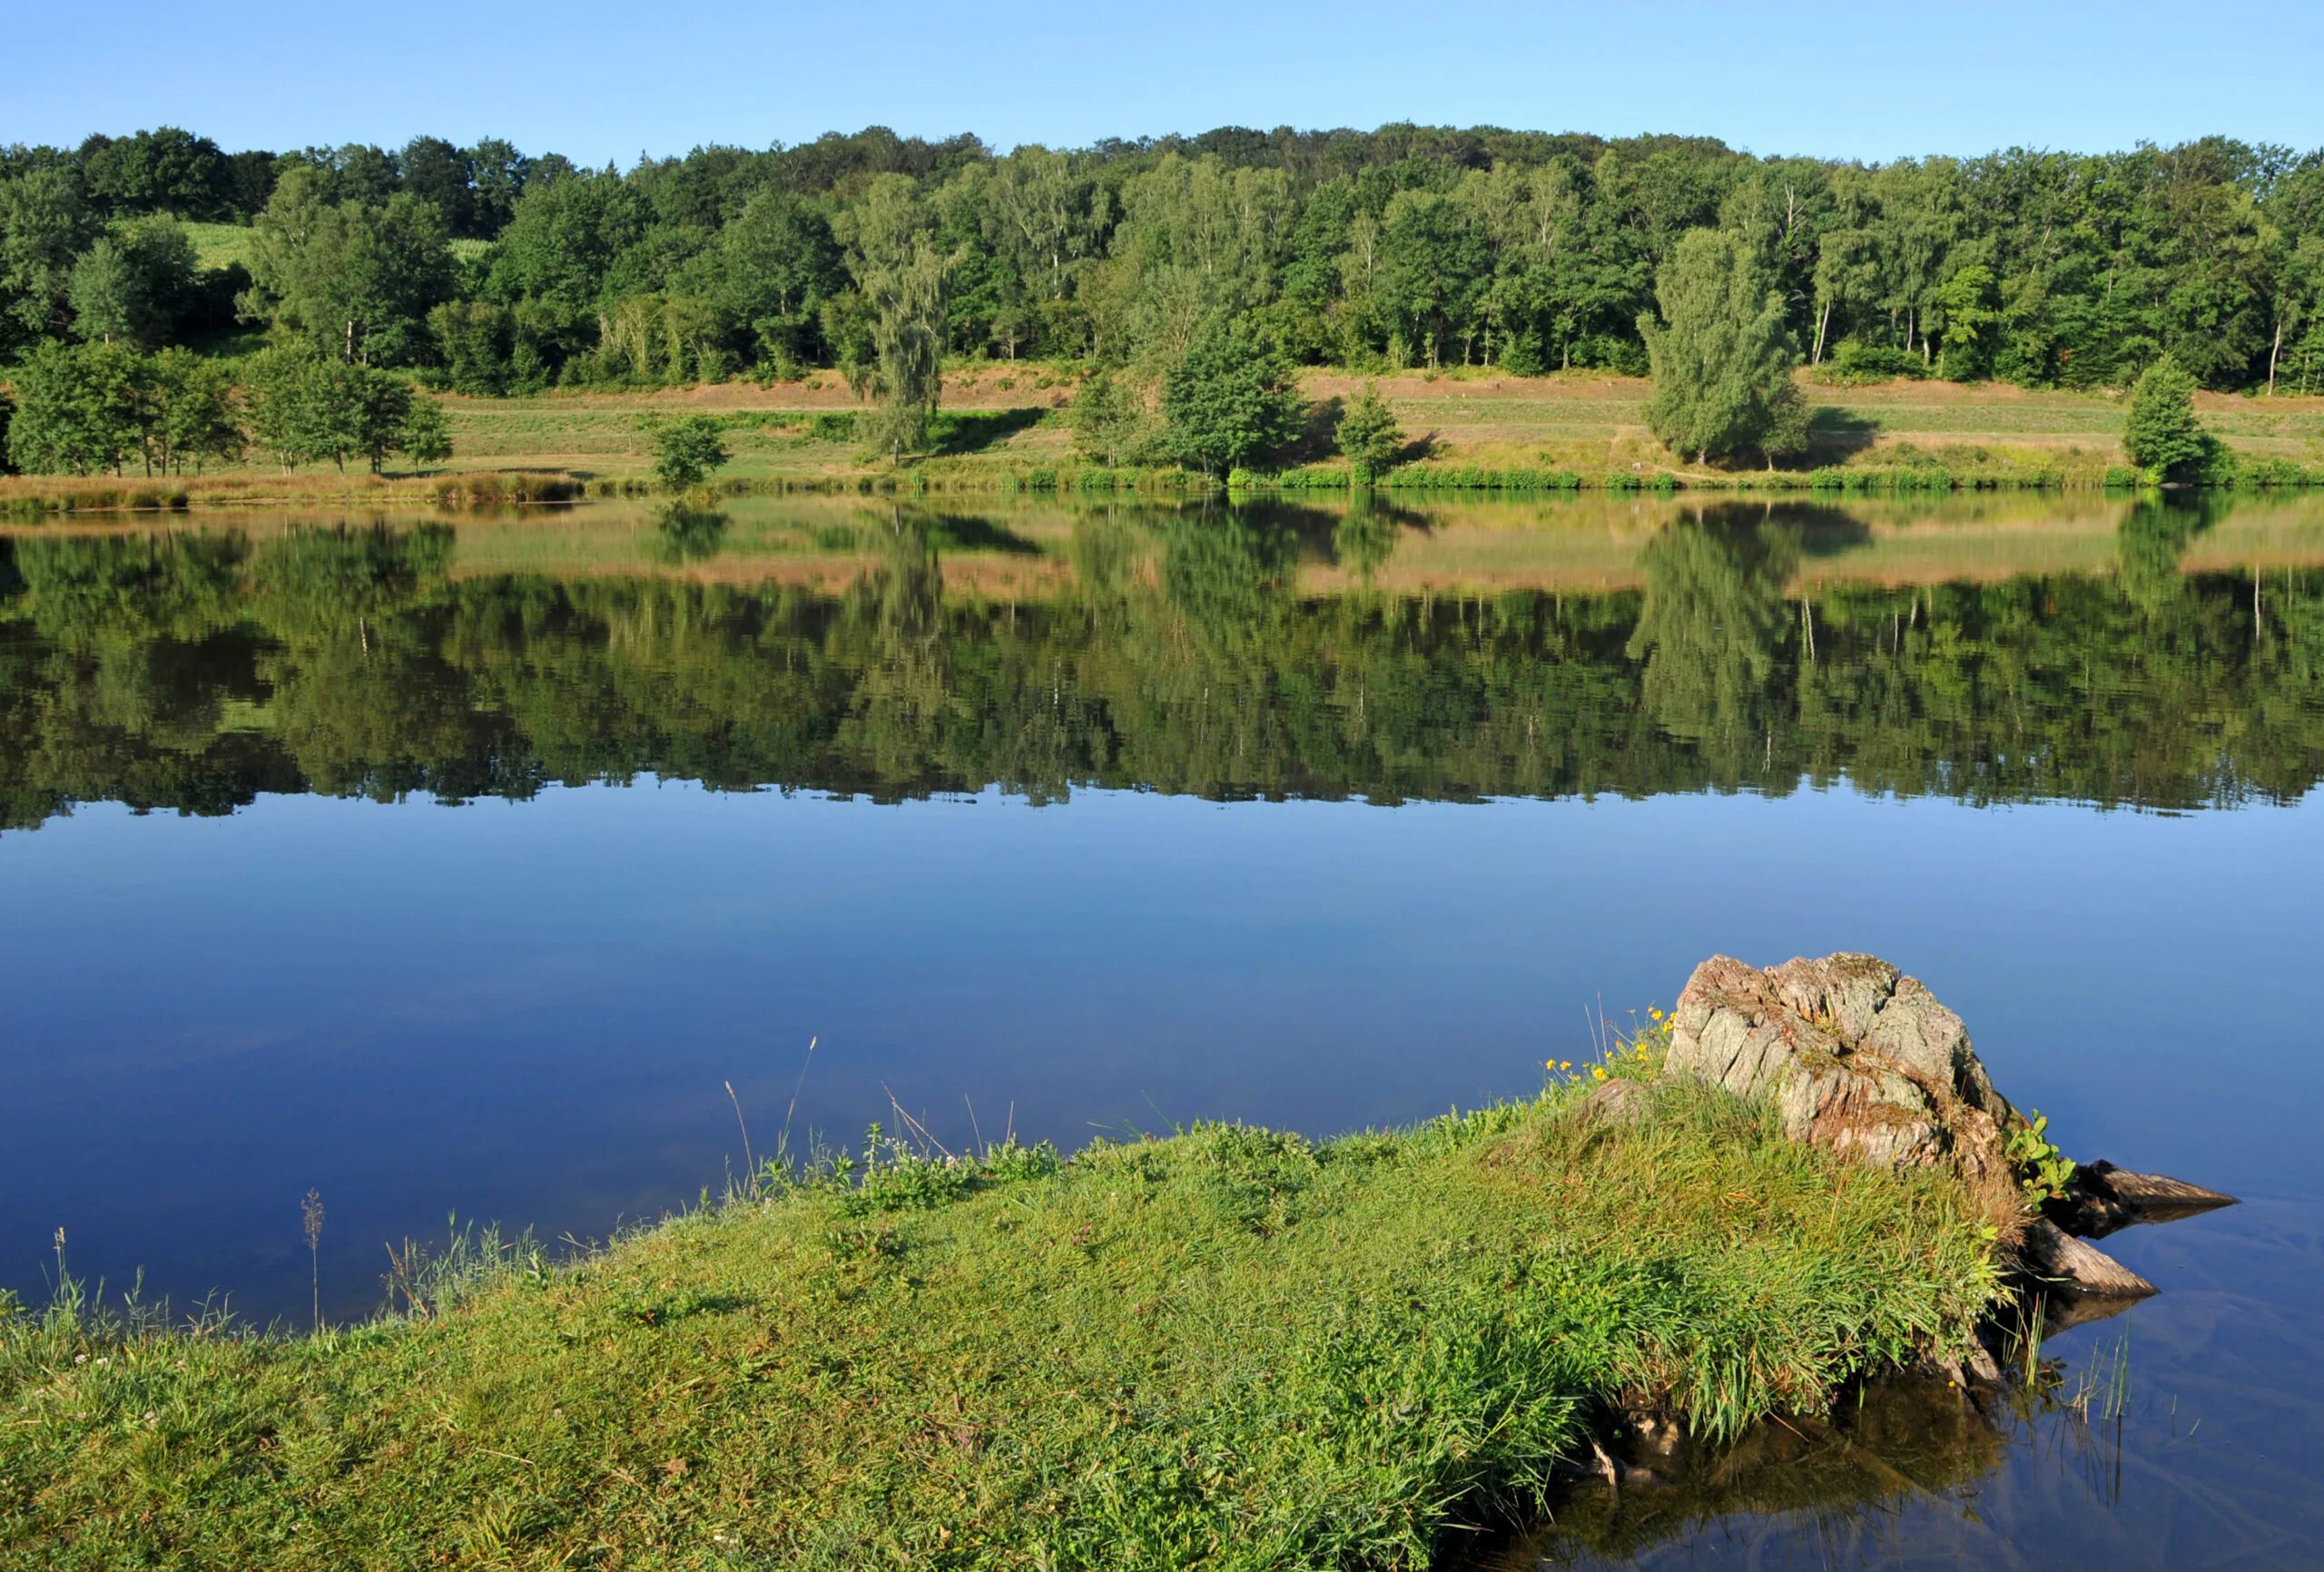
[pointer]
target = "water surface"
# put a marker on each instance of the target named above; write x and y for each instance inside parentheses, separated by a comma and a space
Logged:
(459, 866)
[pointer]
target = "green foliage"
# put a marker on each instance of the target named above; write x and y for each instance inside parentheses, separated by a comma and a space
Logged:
(45, 224)
(487, 348)
(1722, 355)
(688, 450)
(2044, 1173)
(78, 409)
(133, 286)
(901, 275)
(1229, 400)
(1368, 434)
(1852, 361)
(90, 408)
(1427, 246)
(347, 277)
(2162, 435)
(1966, 311)
(280, 401)
(1161, 1353)
(423, 436)
(189, 411)
(302, 408)
(1110, 423)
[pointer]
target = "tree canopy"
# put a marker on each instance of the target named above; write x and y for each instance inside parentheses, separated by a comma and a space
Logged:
(1368, 434)
(1721, 356)
(493, 270)
(688, 450)
(1229, 399)
(2161, 433)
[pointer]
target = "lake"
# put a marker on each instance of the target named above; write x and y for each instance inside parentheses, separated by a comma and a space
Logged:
(492, 867)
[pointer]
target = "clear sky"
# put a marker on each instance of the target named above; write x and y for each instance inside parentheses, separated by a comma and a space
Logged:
(603, 81)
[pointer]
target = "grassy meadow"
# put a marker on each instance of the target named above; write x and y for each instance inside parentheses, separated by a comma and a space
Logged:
(1005, 424)
(1229, 1348)
(1589, 423)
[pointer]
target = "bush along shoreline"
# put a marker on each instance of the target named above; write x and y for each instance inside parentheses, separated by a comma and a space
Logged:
(1230, 1347)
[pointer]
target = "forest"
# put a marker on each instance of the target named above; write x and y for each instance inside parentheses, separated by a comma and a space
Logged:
(1182, 280)
(1409, 246)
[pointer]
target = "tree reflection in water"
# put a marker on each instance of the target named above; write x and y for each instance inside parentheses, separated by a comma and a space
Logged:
(1177, 651)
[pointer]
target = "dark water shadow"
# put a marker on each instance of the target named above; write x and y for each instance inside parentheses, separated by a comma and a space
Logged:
(969, 532)
(1904, 1437)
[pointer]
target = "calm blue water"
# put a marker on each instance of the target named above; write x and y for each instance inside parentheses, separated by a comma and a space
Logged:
(528, 1012)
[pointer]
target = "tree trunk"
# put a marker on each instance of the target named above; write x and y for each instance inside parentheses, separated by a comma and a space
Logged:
(1823, 321)
(2273, 350)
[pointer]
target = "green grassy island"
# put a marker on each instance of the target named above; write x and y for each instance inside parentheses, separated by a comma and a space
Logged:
(1229, 1348)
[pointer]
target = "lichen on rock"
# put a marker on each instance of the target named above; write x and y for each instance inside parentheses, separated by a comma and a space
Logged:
(1854, 1056)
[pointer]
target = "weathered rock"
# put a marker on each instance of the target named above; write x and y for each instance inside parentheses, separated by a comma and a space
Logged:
(2102, 1198)
(2066, 1261)
(1854, 1055)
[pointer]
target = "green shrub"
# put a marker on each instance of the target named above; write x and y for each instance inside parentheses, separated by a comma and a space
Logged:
(687, 450)
(1854, 362)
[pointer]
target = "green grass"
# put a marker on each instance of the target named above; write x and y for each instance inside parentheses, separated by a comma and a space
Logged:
(1231, 1349)
(219, 245)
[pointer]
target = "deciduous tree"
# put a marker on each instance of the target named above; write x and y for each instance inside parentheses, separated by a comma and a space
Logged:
(688, 450)
(1721, 356)
(1231, 399)
(2161, 434)
(351, 279)
(79, 409)
(133, 286)
(901, 275)
(1368, 434)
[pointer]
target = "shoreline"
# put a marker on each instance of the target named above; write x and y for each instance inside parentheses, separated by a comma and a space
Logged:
(1230, 1343)
(492, 490)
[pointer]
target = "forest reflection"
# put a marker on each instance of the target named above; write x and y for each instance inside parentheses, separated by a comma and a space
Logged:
(1178, 653)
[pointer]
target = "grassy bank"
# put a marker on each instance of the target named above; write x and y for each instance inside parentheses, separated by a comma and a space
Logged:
(1230, 1347)
(1004, 429)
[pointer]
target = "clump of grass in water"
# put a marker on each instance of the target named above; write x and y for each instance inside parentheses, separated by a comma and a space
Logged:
(1233, 1346)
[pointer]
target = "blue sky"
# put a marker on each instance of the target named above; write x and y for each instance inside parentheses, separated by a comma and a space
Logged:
(604, 81)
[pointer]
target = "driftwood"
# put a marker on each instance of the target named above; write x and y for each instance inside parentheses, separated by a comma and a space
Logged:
(2103, 1198)
(2061, 1259)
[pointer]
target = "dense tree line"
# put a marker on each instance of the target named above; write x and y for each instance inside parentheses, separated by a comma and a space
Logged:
(1181, 660)
(1407, 246)
(90, 408)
